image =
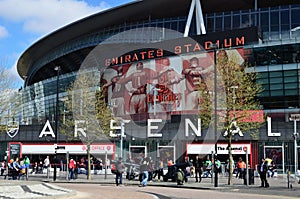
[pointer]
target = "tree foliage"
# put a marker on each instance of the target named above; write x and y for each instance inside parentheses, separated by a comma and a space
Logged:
(87, 108)
(237, 93)
(8, 99)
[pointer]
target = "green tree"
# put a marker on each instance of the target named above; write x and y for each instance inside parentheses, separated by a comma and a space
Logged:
(8, 99)
(86, 107)
(237, 92)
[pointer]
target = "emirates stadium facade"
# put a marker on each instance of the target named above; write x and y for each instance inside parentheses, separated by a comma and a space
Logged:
(125, 48)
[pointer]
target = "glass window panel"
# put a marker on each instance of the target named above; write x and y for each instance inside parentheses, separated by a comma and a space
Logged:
(290, 66)
(290, 79)
(274, 86)
(275, 80)
(295, 17)
(219, 24)
(209, 24)
(174, 25)
(236, 21)
(265, 93)
(277, 93)
(264, 19)
(168, 25)
(291, 92)
(288, 73)
(254, 17)
(263, 81)
(246, 21)
(227, 23)
(285, 27)
(285, 18)
(263, 75)
(291, 86)
(264, 24)
(274, 19)
(275, 74)
(181, 26)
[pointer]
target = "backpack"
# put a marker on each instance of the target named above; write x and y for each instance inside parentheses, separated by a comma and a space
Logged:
(180, 176)
(26, 161)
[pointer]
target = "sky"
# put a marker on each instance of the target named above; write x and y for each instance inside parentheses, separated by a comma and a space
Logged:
(23, 22)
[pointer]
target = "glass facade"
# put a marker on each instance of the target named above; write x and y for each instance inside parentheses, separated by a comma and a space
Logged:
(276, 58)
(276, 23)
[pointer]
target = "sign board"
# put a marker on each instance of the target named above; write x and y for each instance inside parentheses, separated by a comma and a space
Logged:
(60, 147)
(221, 148)
(15, 150)
(71, 148)
(295, 117)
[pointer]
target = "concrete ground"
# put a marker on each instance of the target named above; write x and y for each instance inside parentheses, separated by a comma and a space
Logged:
(39, 186)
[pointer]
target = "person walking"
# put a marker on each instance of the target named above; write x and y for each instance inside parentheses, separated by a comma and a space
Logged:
(150, 170)
(241, 166)
(160, 169)
(47, 165)
(263, 169)
(72, 167)
(3, 167)
(27, 165)
(144, 172)
(16, 168)
(208, 168)
(198, 168)
(119, 173)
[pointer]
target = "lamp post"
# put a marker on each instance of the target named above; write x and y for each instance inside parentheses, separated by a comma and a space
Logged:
(214, 46)
(121, 141)
(295, 118)
(57, 68)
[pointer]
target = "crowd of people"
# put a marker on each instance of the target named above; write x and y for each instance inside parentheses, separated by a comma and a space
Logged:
(196, 168)
(17, 168)
(148, 170)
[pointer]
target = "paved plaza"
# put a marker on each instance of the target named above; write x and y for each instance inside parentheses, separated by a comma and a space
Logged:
(39, 186)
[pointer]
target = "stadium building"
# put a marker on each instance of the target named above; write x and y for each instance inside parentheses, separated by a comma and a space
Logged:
(131, 48)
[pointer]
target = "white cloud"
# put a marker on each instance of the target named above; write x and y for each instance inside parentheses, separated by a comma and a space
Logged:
(13, 75)
(3, 32)
(44, 16)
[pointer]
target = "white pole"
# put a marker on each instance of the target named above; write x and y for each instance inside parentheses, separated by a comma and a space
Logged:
(189, 20)
(295, 146)
(67, 169)
(121, 142)
(199, 17)
(105, 174)
(247, 171)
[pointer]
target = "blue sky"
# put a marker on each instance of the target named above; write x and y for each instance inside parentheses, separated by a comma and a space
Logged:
(22, 22)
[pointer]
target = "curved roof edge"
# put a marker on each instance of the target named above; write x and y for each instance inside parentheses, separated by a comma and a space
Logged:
(59, 36)
(133, 11)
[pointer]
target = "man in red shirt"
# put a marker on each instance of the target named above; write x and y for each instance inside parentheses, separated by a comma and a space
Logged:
(72, 166)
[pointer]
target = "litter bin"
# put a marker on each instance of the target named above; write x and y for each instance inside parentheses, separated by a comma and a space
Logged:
(250, 177)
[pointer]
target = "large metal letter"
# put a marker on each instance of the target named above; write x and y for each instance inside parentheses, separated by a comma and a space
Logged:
(195, 130)
(270, 134)
(153, 127)
(44, 132)
(77, 129)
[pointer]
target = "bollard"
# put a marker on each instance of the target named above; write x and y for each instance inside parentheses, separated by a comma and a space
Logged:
(288, 178)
